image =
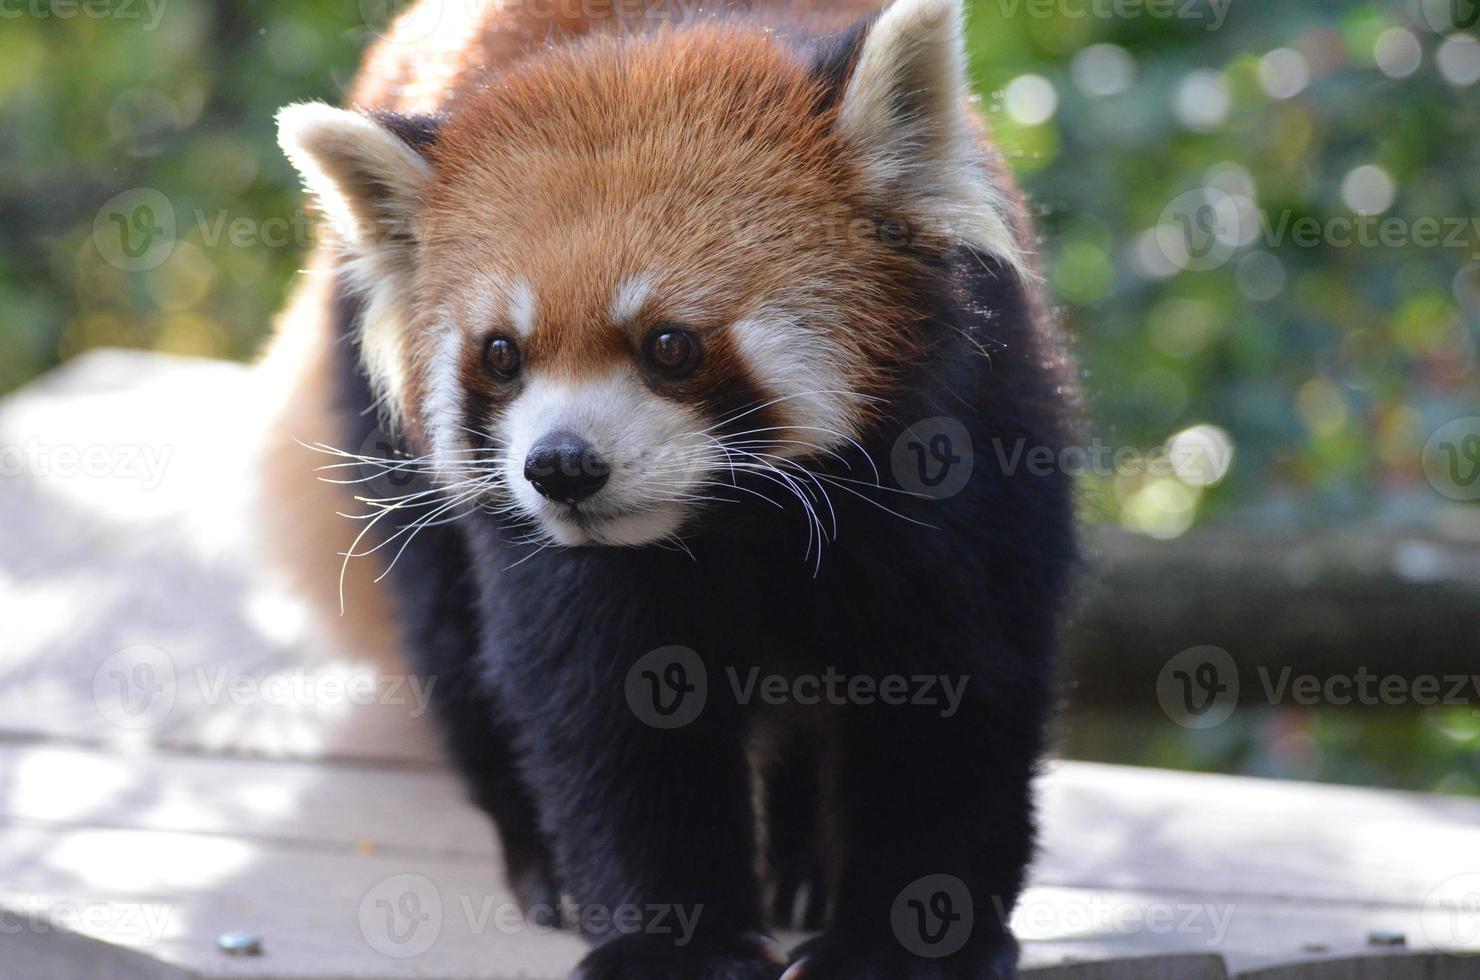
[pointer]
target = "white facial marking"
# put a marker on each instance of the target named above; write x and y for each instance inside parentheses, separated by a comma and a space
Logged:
(444, 403)
(790, 354)
(652, 446)
(522, 308)
(630, 297)
(488, 306)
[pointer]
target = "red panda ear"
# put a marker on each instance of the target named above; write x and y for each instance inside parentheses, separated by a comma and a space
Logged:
(904, 111)
(367, 172)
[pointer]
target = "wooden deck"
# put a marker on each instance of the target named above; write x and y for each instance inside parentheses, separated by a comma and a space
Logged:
(135, 832)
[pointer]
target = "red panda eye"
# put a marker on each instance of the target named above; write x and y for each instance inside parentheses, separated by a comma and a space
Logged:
(503, 358)
(673, 351)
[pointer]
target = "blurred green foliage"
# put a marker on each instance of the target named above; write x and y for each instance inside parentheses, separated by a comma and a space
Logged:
(1325, 365)
(1428, 749)
(182, 102)
(1328, 364)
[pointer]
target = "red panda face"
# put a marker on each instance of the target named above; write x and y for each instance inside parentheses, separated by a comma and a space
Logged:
(639, 264)
(659, 236)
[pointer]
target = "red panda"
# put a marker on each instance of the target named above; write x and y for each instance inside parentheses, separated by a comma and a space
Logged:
(653, 297)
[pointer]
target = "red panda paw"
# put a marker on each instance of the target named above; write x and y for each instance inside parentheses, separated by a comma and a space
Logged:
(749, 956)
(834, 956)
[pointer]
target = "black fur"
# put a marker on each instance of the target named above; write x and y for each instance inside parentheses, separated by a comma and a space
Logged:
(435, 610)
(833, 59)
(420, 132)
(532, 652)
(531, 655)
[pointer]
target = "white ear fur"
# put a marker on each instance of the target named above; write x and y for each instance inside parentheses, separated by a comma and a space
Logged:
(366, 178)
(368, 182)
(904, 108)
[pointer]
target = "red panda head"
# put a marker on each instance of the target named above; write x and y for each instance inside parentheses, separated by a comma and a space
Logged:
(626, 265)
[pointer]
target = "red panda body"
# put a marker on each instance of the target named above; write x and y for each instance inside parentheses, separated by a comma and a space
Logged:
(672, 309)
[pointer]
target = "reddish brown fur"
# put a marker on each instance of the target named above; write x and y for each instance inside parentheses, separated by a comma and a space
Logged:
(416, 70)
(578, 151)
(706, 158)
(299, 530)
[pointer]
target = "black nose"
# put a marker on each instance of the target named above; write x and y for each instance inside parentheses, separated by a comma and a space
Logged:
(564, 467)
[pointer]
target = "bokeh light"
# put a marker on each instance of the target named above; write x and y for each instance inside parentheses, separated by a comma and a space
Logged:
(1284, 73)
(1368, 190)
(1398, 52)
(1103, 69)
(1030, 99)
(1459, 60)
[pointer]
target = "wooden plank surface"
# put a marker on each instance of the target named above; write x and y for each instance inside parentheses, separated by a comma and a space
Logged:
(1393, 966)
(295, 850)
(126, 529)
(134, 840)
(1242, 836)
(160, 854)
